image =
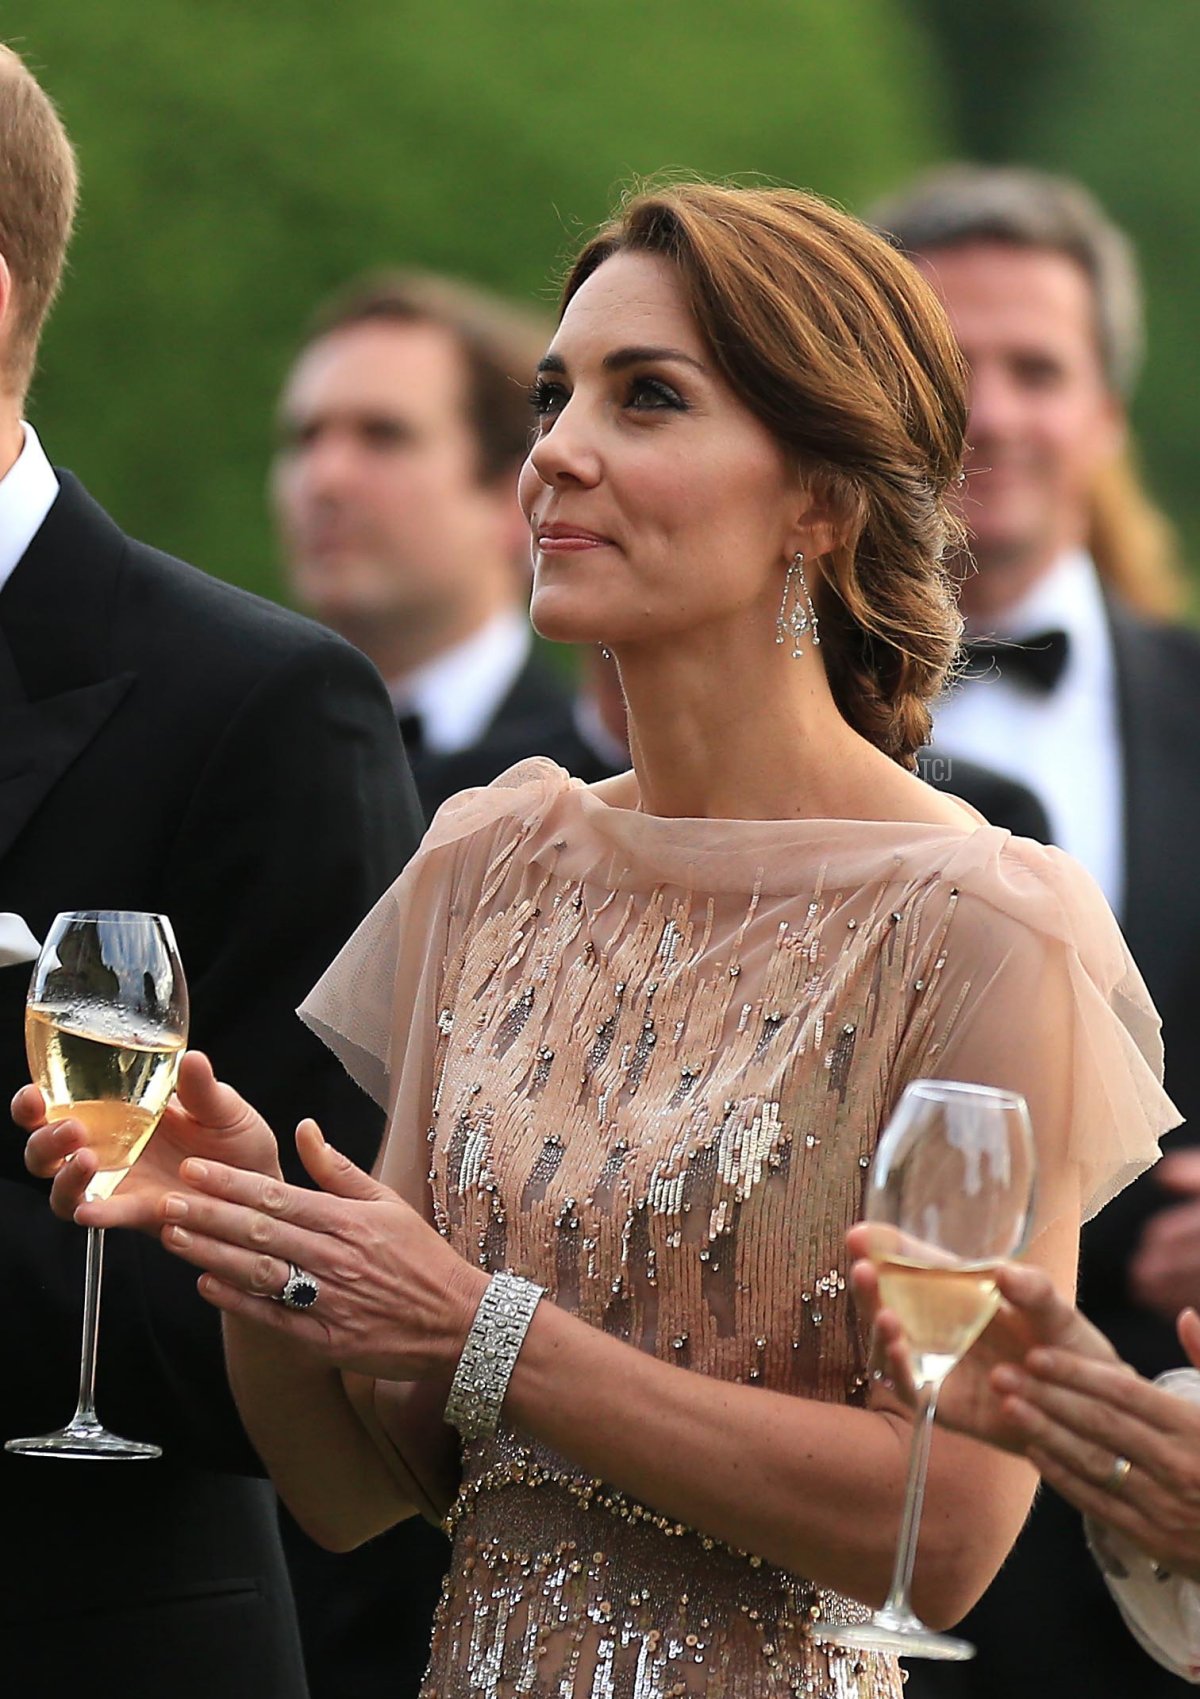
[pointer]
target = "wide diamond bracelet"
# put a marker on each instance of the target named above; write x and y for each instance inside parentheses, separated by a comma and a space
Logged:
(490, 1354)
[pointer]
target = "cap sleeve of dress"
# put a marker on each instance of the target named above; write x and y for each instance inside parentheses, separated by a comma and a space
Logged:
(1041, 995)
(377, 1004)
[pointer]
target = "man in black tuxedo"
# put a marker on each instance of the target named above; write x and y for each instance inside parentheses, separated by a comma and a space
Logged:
(170, 744)
(1096, 706)
(402, 425)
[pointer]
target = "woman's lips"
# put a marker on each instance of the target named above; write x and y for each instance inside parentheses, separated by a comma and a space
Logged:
(568, 539)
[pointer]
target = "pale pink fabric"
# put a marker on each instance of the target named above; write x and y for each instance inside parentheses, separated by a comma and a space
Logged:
(644, 1062)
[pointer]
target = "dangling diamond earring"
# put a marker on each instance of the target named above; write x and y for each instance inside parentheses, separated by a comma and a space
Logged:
(796, 613)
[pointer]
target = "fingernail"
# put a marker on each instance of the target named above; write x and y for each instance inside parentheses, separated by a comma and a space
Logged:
(179, 1236)
(175, 1207)
(194, 1169)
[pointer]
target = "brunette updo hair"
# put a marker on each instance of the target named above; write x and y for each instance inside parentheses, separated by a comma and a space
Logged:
(838, 345)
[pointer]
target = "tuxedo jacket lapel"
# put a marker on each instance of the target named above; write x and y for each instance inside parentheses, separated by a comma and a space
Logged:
(1157, 695)
(43, 727)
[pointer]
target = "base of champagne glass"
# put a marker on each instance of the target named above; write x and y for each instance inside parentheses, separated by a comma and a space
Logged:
(86, 1441)
(902, 1636)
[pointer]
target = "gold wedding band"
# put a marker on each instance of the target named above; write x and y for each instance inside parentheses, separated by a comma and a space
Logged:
(1117, 1475)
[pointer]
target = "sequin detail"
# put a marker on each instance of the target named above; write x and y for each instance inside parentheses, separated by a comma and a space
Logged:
(672, 1141)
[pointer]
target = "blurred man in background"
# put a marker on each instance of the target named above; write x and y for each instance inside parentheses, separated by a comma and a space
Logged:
(169, 744)
(402, 425)
(1074, 691)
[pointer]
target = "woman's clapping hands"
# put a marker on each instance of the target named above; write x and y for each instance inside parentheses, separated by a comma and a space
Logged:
(395, 1301)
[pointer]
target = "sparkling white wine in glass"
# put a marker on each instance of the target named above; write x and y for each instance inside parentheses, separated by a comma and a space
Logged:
(113, 1074)
(105, 1028)
(949, 1195)
(942, 1308)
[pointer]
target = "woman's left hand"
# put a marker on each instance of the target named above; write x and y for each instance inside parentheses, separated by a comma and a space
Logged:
(395, 1301)
(1084, 1420)
(1031, 1313)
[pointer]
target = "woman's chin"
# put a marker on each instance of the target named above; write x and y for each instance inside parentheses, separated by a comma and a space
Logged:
(561, 624)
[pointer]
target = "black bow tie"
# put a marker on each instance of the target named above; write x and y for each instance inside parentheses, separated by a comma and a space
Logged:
(1037, 661)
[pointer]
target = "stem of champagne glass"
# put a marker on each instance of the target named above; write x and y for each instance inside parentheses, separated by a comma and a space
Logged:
(897, 1602)
(85, 1410)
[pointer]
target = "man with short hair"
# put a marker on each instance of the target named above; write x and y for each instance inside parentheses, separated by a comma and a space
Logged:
(170, 744)
(1095, 708)
(402, 425)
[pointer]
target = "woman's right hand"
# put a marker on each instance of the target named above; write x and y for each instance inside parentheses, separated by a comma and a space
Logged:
(204, 1118)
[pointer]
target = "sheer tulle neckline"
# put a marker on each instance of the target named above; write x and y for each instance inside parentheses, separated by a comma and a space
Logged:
(591, 837)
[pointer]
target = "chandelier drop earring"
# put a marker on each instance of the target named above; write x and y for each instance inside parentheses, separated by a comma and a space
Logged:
(796, 613)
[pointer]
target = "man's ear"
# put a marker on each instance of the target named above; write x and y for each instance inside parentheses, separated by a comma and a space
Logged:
(512, 527)
(6, 297)
(1114, 431)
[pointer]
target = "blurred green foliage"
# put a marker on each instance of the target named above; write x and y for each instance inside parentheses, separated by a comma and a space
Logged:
(238, 162)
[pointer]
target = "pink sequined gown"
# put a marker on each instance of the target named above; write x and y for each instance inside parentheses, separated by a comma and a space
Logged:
(644, 1063)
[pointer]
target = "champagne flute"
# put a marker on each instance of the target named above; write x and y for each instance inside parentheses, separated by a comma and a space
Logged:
(949, 1195)
(105, 1028)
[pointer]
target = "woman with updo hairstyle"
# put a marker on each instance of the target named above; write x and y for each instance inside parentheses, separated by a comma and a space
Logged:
(636, 1040)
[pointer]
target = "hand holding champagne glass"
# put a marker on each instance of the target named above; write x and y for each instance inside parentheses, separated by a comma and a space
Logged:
(949, 1195)
(105, 1028)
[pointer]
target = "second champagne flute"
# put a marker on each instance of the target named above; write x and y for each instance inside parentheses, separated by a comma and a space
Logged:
(105, 1028)
(950, 1195)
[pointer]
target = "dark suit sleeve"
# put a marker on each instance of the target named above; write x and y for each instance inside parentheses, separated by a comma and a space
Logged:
(304, 814)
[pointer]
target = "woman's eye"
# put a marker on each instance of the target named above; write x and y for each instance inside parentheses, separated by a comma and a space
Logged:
(649, 394)
(547, 399)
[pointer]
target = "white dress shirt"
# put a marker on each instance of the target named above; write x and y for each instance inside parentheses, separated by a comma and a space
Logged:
(456, 695)
(1064, 744)
(27, 492)
(589, 724)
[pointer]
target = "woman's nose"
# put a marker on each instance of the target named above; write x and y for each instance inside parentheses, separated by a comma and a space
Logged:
(566, 450)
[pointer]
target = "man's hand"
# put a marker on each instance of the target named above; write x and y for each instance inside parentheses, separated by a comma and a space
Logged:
(204, 1118)
(1165, 1271)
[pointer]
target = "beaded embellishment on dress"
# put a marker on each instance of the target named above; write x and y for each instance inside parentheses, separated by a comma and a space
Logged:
(674, 1144)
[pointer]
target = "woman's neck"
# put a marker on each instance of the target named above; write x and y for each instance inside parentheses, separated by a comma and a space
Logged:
(720, 729)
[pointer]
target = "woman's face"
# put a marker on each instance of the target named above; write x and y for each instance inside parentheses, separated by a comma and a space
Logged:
(658, 502)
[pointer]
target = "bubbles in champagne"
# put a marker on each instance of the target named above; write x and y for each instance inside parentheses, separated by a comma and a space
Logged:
(107, 1069)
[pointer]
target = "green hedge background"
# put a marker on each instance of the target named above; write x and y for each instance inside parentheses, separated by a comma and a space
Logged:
(239, 162)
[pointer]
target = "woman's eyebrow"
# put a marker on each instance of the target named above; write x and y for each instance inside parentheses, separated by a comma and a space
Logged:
(644, 354)
(620, 358)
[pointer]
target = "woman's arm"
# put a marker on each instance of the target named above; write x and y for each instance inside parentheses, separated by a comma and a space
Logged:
(325, 1449)
(814, 1487)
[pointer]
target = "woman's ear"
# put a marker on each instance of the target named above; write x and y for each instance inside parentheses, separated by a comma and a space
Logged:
(819, 527)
